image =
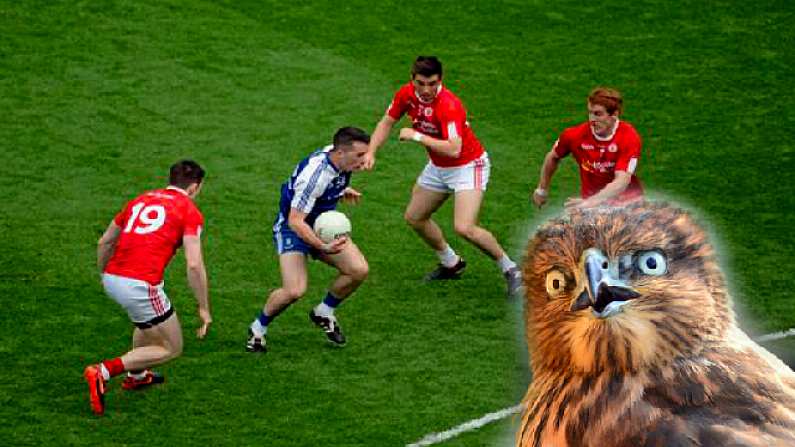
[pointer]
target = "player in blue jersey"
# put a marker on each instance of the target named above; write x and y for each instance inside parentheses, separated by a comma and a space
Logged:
(316, 185)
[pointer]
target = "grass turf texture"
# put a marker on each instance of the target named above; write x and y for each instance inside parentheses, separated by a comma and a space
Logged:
(100, 98)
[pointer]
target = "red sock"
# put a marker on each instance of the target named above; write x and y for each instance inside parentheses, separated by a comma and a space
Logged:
(114, 367)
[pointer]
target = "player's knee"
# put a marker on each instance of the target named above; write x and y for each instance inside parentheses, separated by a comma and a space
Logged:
(360, 271)
(412, 220)
(465, 230)
(294, 293)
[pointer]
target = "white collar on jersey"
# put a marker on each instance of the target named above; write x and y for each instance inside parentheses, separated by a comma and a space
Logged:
(438, 90)
(177, 188)
(610, 135)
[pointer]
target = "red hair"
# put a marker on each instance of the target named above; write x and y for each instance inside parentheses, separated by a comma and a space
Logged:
(607, 97)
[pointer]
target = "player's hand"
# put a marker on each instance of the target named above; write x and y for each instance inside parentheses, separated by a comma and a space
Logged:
(539, 198)
(351, 196)
(368, 163)
(204, 316)
(574, 202)
(335, 246)
(407, 133)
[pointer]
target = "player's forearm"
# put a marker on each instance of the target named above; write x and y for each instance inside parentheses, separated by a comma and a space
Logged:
(197, 279)
(379, 136)
(547, 171)
(305, 232)
(445, 148)
(611, 190)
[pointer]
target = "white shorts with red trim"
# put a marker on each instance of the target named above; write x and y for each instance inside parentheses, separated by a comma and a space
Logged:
(147, 305)
(473, 175)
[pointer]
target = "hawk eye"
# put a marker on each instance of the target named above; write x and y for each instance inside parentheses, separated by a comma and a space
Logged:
(556, 283)
(652, 263)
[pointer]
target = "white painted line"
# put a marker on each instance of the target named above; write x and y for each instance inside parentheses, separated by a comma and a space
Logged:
(776, 335)
(474, 424)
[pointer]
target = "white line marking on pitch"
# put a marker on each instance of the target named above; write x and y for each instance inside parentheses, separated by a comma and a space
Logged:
(474, 424)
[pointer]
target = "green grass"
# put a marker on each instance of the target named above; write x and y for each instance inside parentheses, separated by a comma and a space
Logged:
(99, 98)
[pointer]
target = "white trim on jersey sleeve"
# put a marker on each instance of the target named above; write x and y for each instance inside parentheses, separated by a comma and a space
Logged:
(633, 163)
(310, 184)
(452, 131)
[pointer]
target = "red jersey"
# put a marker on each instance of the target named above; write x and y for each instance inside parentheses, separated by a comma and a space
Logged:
(444, 118)
(599, 159)
(152, 226)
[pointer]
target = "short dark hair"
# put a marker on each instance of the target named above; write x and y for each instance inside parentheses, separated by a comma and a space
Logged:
(184, 173)
(346, 136)
(426, 66)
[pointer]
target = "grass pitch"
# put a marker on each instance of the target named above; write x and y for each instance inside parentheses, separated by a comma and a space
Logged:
(99, 98)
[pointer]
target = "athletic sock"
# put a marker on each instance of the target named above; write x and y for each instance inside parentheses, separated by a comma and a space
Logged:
(260, 324)
(505, 263)
(111, 368)
(448, 257)
(327, 306)
(137, 375)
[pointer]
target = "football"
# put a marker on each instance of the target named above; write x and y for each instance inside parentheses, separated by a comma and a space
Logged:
(331, 225)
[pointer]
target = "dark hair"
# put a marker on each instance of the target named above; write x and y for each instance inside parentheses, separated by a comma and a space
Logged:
(184, 173)
(607, 97)
(346, 136)
(426, 66)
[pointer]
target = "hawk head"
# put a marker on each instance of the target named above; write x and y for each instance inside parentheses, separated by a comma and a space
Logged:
(622, 289)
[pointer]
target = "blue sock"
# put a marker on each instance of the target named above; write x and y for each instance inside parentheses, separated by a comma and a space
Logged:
(264, 319)
(327, 306)
(331, 300)
(260, 324)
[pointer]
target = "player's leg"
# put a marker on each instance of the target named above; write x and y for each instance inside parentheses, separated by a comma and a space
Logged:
(163, 342)
(292, 265)
(424, 202)
(428, 194)
(353, 270)
(470, 183)
(148, 307)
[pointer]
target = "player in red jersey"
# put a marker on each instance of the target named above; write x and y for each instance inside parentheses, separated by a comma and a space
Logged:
(607, 151)
(458, 165)
(132, 254)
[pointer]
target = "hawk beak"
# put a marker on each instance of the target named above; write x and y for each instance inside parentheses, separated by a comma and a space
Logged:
(603, 291)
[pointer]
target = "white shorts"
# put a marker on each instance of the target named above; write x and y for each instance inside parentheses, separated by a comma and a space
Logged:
(473, 175)
(147, 305)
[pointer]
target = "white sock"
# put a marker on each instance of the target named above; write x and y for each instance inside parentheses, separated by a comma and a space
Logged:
(258, 329)
(140, 376)
(448, 256)
(505, 263)
(104, 371)
(324, 310)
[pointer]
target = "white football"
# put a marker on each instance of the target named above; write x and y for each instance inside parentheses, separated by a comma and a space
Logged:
(331, 225)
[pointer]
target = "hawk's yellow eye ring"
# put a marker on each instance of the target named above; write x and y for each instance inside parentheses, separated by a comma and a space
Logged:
(555, 282)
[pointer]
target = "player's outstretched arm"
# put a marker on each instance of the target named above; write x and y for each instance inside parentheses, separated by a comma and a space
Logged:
(548, 169)
(106, 245)
(377, 139)
(197, 279)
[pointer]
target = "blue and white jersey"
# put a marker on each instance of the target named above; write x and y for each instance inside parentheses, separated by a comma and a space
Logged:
(315, 186)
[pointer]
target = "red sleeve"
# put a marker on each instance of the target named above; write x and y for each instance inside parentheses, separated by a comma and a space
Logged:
(562, 146)
(629, 152)
(194, 221)
(452, 119)
(123, 215)
(400, 103)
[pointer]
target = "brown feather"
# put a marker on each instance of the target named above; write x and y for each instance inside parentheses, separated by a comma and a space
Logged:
(672, 368)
